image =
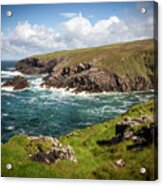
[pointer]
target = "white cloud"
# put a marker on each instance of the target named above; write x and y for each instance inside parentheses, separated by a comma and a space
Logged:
(77, 32)
(68, 14)
(27, 39)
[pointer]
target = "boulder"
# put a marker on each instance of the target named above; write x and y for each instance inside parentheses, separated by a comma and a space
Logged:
(18, 83)
(54, 154)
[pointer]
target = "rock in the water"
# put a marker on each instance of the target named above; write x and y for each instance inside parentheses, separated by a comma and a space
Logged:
(18, 83)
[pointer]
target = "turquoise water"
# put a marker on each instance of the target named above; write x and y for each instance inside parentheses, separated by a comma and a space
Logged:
(39, 111)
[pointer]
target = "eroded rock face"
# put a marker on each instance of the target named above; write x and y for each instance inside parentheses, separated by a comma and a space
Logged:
(91, 79)
(36, 66)
(18, 83)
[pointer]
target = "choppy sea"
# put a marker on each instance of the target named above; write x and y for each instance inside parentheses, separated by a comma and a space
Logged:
(55, 112)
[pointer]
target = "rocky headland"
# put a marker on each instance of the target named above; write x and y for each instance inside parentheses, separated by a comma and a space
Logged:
(121, 67)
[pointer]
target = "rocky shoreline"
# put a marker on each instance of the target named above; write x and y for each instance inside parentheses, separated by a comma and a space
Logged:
(84, 77)
(95, 80)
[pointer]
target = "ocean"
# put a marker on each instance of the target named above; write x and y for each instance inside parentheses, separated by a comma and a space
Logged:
(55, 112)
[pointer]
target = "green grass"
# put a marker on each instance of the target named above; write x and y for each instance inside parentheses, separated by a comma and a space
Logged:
(94, 161)
(125, 59)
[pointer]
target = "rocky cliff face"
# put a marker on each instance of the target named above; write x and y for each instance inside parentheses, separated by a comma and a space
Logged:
(91, 79)
(34, 65)
(124, 67)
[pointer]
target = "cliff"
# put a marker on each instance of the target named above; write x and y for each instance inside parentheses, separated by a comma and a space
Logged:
(119, 67)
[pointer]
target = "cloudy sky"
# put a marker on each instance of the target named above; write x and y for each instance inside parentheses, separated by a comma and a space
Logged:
(34, 29)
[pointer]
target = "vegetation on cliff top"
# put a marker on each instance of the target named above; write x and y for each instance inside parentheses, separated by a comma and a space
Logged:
(94, 161)
(131, 58)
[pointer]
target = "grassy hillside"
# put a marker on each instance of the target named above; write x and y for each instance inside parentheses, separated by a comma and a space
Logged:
(128, 58)
(121, 67)
(94, 161)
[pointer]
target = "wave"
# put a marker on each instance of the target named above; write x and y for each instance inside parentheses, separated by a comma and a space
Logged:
(8, 89)
(65, 93)
(11, 68)
(71, 91)
(11, 89)
(35, 83)
(6, 74)
(9, 128)
(9, 93)
(4, 114)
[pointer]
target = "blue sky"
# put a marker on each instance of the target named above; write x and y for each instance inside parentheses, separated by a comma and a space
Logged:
(44, 28)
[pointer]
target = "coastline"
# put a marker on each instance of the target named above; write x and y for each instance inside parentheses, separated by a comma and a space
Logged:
(97, 70)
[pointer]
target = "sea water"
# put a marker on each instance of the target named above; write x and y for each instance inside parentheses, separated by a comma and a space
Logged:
(55, 112)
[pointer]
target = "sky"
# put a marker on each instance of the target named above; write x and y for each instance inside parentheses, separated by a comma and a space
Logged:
(35, 29)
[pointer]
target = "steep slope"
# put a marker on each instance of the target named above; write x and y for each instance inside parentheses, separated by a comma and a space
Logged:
(99, 154)
(119, 67)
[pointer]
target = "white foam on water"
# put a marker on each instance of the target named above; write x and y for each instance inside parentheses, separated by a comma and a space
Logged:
(64, 92)
(8, 89)
(8, 103)
(127, 103)
(118, 110)
(4, 114)
(11, 89)
(35, 83)
(10, 128)
(10, 73)
(11, 68)
(32, 100)
(84, 124)
(71, 92)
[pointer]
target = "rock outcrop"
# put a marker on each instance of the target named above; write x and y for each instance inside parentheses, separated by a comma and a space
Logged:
(55, 152)
(125, 130)
(35, 65)
(92, 79)
(18, 83)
